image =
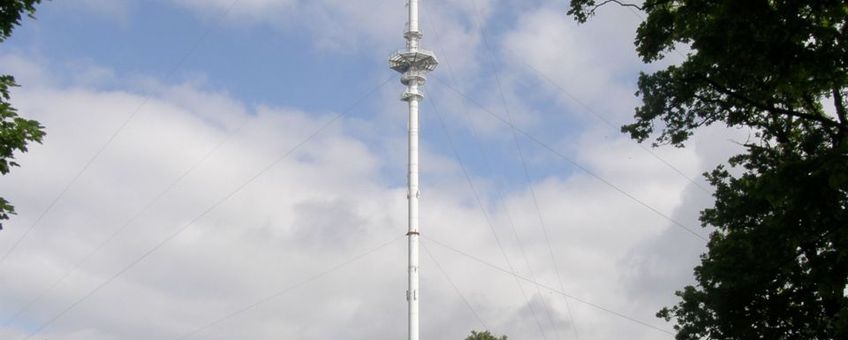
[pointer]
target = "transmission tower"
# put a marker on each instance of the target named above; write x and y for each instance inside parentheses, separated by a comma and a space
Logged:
(413, 63)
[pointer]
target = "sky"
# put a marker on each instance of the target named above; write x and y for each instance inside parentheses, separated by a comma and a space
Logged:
(219, 169)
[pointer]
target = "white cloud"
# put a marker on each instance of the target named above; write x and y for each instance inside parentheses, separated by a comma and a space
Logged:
(594, 62)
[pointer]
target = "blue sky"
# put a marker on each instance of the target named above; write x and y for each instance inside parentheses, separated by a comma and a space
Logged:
(195, 208)
(256, 63)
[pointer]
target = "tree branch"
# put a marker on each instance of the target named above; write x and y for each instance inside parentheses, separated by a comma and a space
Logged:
(841, 111)
(792, 113)
(622, 4)
(842, 114)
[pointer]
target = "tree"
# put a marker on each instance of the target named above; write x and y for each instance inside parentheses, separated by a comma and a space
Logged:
(776, 265)
(484, 336)
(16, 133)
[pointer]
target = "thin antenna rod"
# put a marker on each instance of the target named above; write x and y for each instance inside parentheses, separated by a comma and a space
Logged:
(413, 64)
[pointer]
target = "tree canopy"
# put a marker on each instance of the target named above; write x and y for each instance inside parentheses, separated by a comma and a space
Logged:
(777, 262)
(16, 133)
(486, 335)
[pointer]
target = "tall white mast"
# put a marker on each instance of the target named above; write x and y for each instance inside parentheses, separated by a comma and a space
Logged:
(413, 63)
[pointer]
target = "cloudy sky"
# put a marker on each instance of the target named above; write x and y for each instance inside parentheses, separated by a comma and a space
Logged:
(219, 169)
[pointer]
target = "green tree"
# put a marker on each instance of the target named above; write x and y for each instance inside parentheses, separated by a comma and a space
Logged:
(777, 263)
(16, 133)
(484, 336)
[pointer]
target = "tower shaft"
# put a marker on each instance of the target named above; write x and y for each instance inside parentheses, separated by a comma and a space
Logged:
(413, 294)
(413, 63)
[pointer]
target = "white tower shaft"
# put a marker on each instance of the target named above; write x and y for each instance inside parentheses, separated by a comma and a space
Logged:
(413, 63)
(413, 294)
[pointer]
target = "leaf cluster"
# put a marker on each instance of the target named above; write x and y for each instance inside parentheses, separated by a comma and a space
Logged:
(11, 13)
(485, 335)
(15, 135)
(777, 263)
(15, 132)
(777, 266)
(757, 64)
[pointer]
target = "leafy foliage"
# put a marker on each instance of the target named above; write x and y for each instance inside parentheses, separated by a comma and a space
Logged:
(11, 13)
(484, 336)
(777, 264)
(15, 132)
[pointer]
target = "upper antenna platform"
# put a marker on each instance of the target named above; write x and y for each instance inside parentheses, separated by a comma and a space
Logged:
(413, 60)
